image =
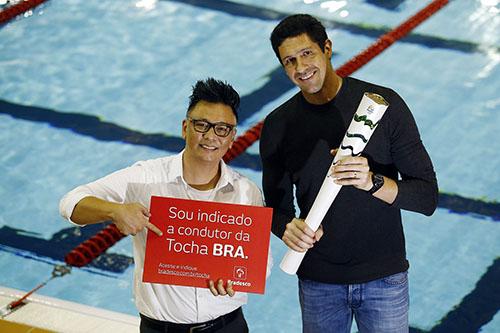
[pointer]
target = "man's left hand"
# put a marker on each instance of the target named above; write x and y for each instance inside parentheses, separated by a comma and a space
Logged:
(219, 290)
(353, 171)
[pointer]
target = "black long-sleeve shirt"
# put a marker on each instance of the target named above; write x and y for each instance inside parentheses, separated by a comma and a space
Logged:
(363, 236)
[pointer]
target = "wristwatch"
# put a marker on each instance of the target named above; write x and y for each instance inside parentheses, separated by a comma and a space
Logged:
(378, 182)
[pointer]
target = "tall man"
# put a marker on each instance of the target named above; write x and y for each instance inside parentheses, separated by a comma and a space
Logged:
(198, 172)
(356, 262)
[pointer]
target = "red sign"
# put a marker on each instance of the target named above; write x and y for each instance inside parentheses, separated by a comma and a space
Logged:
(208, 241)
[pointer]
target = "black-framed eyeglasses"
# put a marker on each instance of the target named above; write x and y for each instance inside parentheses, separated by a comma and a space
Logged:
(202, 126)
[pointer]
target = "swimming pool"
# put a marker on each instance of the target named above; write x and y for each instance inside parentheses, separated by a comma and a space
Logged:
(85, 85)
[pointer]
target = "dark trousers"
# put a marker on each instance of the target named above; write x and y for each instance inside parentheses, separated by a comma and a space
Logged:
(233, 322)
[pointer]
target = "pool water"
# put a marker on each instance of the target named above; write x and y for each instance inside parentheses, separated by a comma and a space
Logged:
(88, 87)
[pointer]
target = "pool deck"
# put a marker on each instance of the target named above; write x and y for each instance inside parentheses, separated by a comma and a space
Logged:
(47, 314)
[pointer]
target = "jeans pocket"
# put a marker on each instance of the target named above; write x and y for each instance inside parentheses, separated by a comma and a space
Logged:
(396, 279)
(312, 288)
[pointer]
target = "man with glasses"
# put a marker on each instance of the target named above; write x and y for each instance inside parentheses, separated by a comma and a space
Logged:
(198, 173)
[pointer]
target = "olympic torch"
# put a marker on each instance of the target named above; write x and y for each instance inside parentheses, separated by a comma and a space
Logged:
(365, 120)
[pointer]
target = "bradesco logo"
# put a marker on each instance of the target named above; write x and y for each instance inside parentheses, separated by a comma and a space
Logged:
(240, 273)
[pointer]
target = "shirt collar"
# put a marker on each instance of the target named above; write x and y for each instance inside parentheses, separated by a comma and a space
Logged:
(227, 177)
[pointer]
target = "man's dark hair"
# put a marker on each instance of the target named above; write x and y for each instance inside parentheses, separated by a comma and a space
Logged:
(214, 91)
(295, 25)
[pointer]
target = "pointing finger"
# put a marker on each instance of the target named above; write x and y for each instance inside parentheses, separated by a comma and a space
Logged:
(154, 229)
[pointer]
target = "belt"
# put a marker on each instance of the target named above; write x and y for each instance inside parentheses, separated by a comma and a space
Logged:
(206, 327)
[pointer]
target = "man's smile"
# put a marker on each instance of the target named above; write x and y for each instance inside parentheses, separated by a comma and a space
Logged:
(208, 147)
(306, 76)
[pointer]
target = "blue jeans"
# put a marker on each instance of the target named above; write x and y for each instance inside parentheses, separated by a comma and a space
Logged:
(377, 306)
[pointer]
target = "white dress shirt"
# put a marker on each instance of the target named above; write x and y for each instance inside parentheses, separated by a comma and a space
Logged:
(163, 176)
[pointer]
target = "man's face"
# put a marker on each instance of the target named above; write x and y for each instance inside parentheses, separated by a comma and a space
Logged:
(304, 62)
(208, 146)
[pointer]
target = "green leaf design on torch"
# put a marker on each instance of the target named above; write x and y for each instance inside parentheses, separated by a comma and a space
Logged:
(365, 119)
(356, 135)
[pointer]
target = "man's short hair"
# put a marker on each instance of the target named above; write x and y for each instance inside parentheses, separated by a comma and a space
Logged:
(295, 25)
(214, 91)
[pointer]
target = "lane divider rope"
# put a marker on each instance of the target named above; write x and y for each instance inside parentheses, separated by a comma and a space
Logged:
(21, 7)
